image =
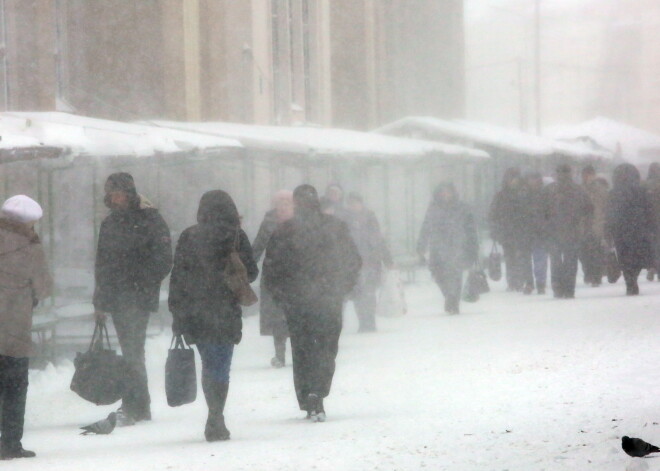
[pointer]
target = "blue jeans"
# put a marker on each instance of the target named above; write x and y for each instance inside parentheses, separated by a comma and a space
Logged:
(540, 261)
(216, 360)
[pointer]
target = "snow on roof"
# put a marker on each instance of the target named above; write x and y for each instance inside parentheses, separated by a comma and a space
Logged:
(16, 147)
(634, 143)
(100, 137)
(327, 141)
(490, 135)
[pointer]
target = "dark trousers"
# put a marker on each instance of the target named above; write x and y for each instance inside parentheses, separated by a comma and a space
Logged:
(563, 269)
(216, 361)
(131, 327)
(13, 394)
(450, 281)
(515, 257)
(365, 308)
(314, 349)
(592, 257)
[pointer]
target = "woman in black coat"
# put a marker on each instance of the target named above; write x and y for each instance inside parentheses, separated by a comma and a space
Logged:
(450, 235)
(630, 224)
(205, 310)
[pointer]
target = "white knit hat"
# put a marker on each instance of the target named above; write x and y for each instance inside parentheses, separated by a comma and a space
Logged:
(21, 208)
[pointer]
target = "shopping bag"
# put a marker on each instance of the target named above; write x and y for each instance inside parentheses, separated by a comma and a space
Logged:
(100, 374)
(180, 374)
(613, 267)
(495, 264)
(475, 285)
(391, 298)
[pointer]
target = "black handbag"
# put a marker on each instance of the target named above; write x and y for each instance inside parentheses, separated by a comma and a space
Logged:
(613, 267)
(101, 374)
(180, 373)
(495, 264)
(475, 285)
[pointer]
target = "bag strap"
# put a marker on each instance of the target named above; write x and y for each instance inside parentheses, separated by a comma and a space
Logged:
(494, 249)
(100, 331)
(179, 343)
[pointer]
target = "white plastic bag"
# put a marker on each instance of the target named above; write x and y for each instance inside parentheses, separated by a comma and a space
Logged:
(391, 298)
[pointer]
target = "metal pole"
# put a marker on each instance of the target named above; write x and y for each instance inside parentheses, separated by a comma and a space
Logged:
(537, 63)
(5, 62)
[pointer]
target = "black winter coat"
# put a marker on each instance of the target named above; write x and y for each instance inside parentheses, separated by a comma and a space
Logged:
(311, 266)
(507, 217)
(630, 223)
(450, 235)
(204, 308)
(133, 257)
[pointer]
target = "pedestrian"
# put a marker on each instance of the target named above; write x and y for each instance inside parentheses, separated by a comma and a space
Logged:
(507, 219)
(311, 266)
(375, 254)
(566, 212)
(204, 308)
(449, 235)
(272, 321)
(535, 272)
(652, 185)
(592, 246)
(630, 224)
(133, 257)
(24, 282)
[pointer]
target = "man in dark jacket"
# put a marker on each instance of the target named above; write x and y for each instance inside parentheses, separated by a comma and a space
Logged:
(450, 236)
(507, 227)
(371, 244)
(310, 267)
(134, 255)
(566, 211)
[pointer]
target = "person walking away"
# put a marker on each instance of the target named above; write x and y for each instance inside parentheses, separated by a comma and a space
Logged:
(449, 235)
(311, 266)
(535, 271)
(566, 211)
(373, 250)
(507, 218)
(630, 224)
(133, 257)
(204, 308)
(652, 185)
(272, 321)
(24, 282)
(592, 249)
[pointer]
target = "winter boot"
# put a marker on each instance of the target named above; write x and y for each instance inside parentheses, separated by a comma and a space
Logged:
(540, 288)
(529, 287)
(276, 362)
(124, 419)
(320, 411)
(8, 452)
(216, 397)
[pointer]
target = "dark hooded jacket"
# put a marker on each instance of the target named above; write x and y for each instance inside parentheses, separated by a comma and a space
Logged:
(629, 219)
(311, 266)
(567, 211)
(203, 306)
(652, 186)
(134, 255)
(449, 232)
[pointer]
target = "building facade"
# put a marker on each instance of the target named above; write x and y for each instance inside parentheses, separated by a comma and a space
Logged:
(347, 63)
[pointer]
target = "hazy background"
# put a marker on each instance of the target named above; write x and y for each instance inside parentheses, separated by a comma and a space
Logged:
(598, 57)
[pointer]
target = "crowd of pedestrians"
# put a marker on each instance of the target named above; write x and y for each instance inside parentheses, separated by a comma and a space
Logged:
(318, 254)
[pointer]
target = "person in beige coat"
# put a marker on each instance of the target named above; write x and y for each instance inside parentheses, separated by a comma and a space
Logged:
(24, 281)
(592, 246)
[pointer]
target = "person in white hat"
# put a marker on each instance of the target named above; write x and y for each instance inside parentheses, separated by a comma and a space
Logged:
(24, 281)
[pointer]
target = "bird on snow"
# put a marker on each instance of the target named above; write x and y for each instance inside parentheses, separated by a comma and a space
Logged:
(636, 447)
(102, 427)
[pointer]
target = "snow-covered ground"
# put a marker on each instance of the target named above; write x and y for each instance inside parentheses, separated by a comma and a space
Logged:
(513, 383)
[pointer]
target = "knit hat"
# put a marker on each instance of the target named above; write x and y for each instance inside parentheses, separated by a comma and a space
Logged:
(21, 208)
(121, 181)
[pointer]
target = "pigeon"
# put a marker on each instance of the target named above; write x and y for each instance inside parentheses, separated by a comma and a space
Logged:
(638, 448)
(102, 427)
